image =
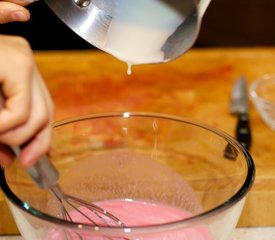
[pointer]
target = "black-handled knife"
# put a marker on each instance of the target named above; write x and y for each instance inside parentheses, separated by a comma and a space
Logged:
(239, 106)
(243, 130)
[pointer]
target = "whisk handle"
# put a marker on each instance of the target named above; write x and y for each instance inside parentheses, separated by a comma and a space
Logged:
(44, 173)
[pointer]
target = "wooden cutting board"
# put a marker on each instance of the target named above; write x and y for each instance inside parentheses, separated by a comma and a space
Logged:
(196, 86)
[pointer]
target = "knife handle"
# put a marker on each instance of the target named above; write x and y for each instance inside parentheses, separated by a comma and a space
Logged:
(243, 130)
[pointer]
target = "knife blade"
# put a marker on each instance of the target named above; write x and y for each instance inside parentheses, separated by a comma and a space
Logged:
(239, 106)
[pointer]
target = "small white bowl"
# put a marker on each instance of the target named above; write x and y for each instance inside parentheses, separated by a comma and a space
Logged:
(262, 91)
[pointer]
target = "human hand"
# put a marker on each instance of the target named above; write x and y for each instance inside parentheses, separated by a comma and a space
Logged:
(13, 10)
(28, 109)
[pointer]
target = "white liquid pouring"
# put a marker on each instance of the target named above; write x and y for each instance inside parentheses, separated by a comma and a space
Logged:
(139, 30)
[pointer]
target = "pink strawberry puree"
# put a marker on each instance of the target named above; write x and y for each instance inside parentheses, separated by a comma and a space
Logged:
(137, 213)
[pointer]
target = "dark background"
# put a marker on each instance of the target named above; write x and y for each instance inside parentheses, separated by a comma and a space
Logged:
(226, 23)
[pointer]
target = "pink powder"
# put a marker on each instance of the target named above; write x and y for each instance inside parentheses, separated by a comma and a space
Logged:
(137, 213)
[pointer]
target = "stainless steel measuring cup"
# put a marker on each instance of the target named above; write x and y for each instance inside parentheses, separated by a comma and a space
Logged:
(167, 26)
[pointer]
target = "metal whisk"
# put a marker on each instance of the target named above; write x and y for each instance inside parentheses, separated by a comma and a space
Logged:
(46, 176)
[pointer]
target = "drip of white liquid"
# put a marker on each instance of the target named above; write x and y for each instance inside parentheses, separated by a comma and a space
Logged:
(129, 69)
(139, 29)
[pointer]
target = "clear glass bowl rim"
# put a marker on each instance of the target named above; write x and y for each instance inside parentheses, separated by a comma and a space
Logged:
(240, 194)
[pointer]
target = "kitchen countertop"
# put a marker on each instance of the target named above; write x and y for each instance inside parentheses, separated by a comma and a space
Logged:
(239, 234)
(196, 86)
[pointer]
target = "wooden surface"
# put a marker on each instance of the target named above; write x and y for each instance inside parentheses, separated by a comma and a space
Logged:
(196, 86)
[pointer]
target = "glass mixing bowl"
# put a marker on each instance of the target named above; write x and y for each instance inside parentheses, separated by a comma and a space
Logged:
(168, 165)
